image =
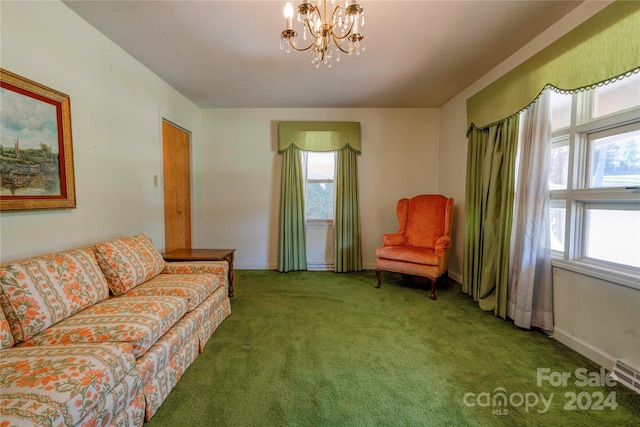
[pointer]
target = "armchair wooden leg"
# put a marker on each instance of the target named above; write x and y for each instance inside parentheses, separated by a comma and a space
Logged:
(433, 289)
(379, 278)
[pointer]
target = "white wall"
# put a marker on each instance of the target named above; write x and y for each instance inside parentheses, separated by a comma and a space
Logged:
(116, 107)
(595, 317)
(320, 240)
(239, 168)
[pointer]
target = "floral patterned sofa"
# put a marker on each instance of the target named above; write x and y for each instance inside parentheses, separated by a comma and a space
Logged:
(99, 336)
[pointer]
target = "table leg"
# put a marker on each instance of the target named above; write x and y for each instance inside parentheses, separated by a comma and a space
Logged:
(230, 259)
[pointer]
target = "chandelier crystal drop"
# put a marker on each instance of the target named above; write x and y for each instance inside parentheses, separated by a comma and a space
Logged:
(330, 31)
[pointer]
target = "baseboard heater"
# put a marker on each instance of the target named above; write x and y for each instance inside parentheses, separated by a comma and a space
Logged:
(627, 374)
(319, 266)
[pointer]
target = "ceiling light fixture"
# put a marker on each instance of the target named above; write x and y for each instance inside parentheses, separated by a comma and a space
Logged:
(340, 30)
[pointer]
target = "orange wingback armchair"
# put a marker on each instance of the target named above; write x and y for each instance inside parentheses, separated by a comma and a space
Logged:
(421, 246)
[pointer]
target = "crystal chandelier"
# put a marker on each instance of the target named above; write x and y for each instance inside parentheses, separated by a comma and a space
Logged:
(328, 34)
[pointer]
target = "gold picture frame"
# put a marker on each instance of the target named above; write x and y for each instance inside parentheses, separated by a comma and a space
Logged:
(36, 152)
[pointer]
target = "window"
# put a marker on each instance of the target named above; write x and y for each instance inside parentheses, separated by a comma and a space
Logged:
(594, 179)
(319, 197)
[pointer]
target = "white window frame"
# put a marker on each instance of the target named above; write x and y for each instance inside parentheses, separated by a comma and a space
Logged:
(578, 196)
(327, 222)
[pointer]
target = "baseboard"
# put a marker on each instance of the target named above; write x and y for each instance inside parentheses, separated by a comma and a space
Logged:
(365, 266)
(455, 276)
(595, 354)
(241, 266)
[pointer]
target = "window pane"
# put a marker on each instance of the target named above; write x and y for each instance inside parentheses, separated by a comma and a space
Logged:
(560, 110)
(614, 161)
(557, 219)
(617, 96)
(320, 165)
(613, 235)
(319, 200)
(559, 167)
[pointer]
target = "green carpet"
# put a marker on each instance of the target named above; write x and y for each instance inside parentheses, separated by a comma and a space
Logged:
(328, 349)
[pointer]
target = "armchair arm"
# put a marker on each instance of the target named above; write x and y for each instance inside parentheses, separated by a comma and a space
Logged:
(393, 239)
(443, 242)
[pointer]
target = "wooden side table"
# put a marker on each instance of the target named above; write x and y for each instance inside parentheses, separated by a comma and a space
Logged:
(204, 255)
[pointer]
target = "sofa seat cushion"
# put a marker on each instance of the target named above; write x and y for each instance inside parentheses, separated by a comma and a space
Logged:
(212, 322)
(194, 288)
(132, 416)
(426, 256)
(59, 385)
(128, 262)
(139, 320)
(163, 365)
(164, 351)
(39, 292)
(164, 381)
(210, 314)
(124, 406)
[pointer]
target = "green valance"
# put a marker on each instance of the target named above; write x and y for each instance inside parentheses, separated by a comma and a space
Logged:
(601, 49)
(319, 136)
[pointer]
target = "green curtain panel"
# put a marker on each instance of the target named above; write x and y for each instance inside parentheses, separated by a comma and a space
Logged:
(602, 48)
(491, 157)
(319, 136)
(347, 241)
(292, 241)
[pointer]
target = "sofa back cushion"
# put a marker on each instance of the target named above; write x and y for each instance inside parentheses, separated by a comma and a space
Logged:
(39, 292)
(6, 338)
(128, 261)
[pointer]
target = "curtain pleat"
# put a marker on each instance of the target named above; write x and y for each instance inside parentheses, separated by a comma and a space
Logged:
(489, 213)
(347, 241)
(530, 282)
(292, 242)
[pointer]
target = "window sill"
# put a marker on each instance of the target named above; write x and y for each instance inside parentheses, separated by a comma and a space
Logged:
(319, 222)
(622, 278)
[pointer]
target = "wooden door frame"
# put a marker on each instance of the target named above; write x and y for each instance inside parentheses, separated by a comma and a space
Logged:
(173, 121)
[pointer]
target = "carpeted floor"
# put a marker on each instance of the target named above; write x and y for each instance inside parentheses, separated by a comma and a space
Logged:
(327, 349)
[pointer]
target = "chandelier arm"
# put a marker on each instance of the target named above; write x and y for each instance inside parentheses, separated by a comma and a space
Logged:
(333, 19)
(347, 34)
(335, 42)
(312, 8)
(311, 31)
(299, 49)
(335, 10)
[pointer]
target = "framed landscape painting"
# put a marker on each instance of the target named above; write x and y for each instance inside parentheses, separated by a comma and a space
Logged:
(36, 154)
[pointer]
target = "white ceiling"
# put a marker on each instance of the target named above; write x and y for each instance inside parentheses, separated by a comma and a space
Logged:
(226, 54)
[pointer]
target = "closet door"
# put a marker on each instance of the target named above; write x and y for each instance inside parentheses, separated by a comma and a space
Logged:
(177, 187)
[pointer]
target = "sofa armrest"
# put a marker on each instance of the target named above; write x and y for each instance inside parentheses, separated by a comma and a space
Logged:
(393, 239)
(195, 267)
(443, 242)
